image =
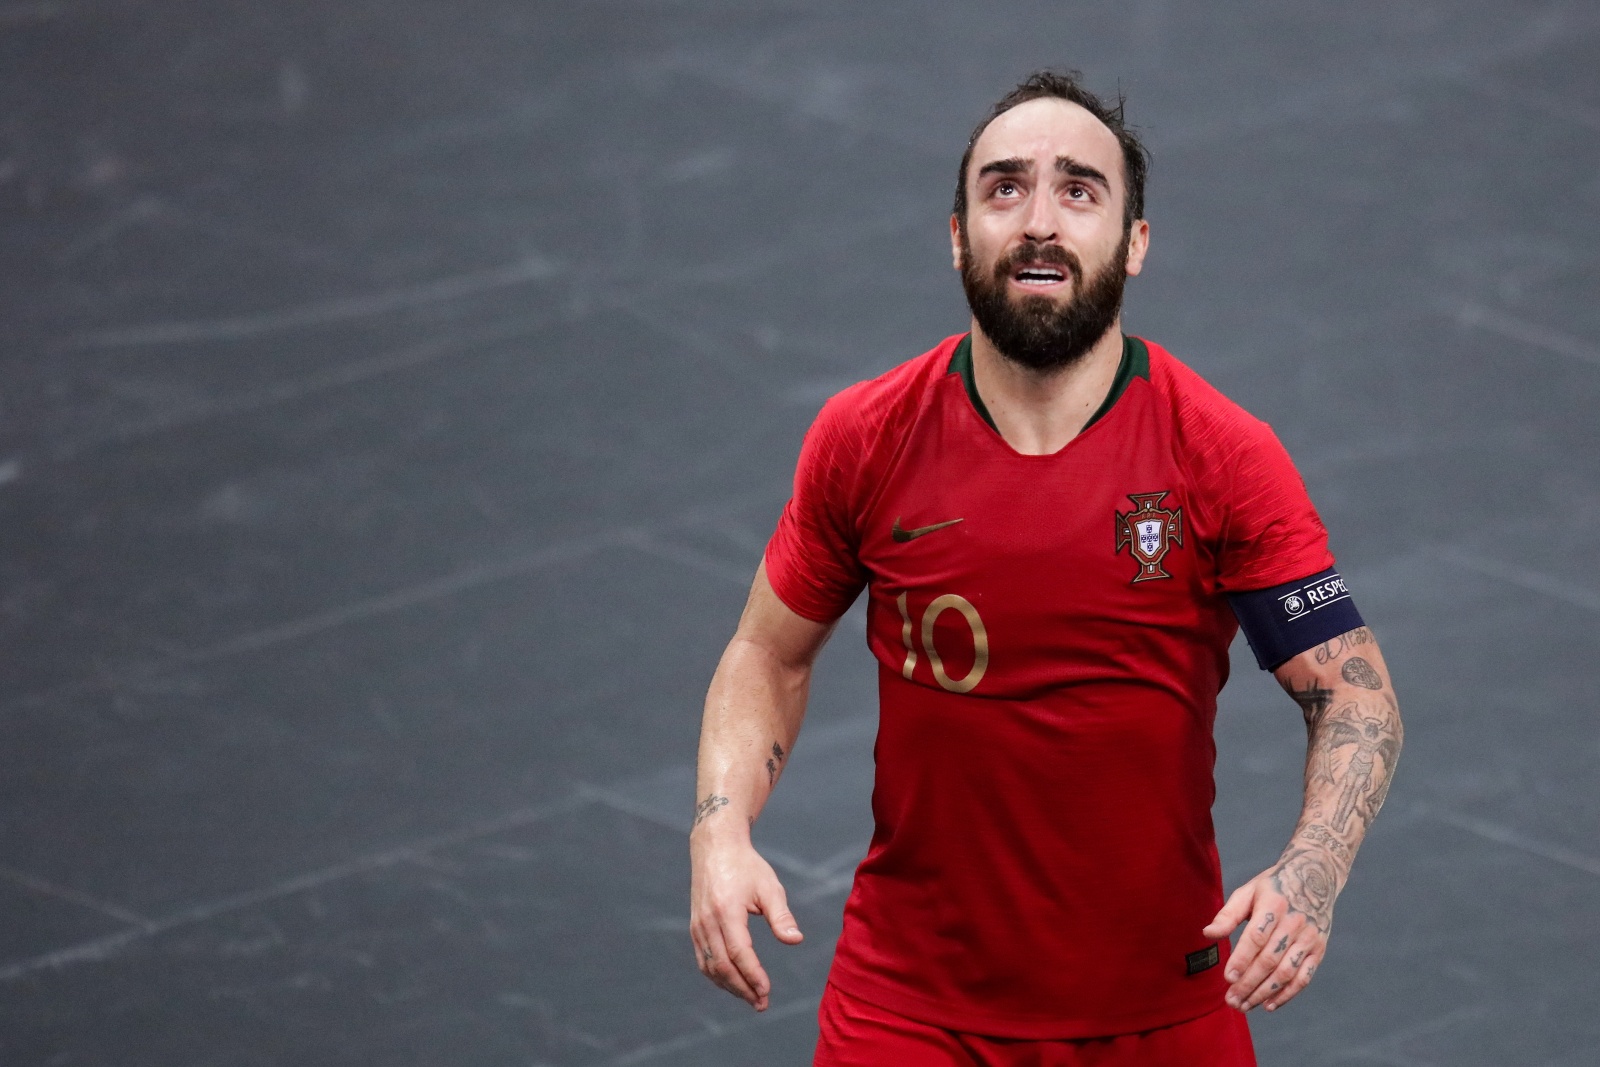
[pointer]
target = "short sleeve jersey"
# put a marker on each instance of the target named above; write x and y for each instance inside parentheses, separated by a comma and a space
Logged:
(1052, 633)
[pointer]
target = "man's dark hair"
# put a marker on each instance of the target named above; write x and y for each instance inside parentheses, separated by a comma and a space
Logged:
(1067, 85)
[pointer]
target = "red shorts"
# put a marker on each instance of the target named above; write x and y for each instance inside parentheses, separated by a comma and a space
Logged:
(858, 1034)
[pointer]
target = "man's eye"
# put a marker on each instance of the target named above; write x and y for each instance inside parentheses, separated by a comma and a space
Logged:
(1005, 188)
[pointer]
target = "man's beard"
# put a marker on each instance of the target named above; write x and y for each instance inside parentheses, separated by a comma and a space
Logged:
(1035, 331)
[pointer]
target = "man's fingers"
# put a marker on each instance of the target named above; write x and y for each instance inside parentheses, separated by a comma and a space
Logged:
(1306, 968)
(1273, 970)
(1233, 912)
(1260, 959)
(716, 963)
(1255, 938)
(703, 955)
(1261, 932)
(751, 979)
(774, 904)
(1278, 982)
(705, 958)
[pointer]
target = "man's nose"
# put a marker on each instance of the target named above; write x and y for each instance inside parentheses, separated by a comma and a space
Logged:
(1040, 223)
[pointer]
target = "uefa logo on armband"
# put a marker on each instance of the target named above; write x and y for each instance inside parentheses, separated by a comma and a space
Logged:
(1293, 605)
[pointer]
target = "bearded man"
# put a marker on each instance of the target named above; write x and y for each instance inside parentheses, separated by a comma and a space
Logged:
(1060, 529)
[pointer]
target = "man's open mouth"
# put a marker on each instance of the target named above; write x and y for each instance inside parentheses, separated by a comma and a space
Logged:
(1040, 275)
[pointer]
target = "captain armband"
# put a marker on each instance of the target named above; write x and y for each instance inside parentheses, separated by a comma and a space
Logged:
(1284, 621)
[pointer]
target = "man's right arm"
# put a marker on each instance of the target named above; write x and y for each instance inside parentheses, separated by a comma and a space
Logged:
(752, 716)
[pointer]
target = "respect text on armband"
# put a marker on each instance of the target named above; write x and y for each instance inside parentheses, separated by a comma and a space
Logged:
(1301, 601)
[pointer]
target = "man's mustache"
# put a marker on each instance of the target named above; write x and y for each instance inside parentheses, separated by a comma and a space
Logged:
(1035, 254)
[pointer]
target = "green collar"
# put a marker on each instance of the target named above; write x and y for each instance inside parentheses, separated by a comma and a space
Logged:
(1135, 363)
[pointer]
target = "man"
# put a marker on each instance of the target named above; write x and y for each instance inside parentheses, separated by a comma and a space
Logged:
(1060, 530)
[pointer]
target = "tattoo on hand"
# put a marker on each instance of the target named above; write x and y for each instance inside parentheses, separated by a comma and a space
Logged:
(1309, 882)
(1294, 961)
(1332, 650)
(1266, 923)
(1282, 944)
(1358, 671)
(708, 807)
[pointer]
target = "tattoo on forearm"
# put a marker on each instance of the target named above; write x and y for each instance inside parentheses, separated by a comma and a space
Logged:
(1329, 651)
(1313, 700)
(1358, 671)
(1320, 749)
(1364, 776)
(1308, 881)
(772, 764)
(708, 807)
(1351, 752)
(1318, 834)
(1374, 802)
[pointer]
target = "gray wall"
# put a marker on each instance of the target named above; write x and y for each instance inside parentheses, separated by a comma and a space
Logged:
(395, 398)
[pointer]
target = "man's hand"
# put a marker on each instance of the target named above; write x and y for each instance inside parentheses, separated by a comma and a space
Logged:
(1287, 912)
(730, 883)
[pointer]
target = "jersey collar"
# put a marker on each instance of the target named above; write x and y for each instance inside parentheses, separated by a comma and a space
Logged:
(1135, 363)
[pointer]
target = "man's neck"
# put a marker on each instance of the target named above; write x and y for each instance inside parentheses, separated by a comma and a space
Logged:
(1038, 412)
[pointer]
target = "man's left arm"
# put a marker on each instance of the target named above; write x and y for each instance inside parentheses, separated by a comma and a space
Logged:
(1353, 741)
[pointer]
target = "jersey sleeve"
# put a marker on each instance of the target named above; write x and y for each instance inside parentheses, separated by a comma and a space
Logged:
(812, 558)
(1270, 533)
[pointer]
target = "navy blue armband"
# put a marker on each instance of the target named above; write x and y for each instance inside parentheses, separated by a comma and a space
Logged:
(1284, 621)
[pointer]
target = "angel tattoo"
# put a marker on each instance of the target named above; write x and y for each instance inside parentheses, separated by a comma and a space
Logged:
(1371, 740)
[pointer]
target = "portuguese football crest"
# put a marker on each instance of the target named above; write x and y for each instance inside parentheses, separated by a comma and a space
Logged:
(1148, 532)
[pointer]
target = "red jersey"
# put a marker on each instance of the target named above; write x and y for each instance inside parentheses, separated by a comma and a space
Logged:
(1052, 632)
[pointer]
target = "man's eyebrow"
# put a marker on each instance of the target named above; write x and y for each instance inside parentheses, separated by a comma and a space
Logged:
(1072, 168)
(1014, 165)
(1064, 165)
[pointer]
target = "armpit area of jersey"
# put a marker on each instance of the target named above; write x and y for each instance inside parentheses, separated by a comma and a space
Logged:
(1284, 621)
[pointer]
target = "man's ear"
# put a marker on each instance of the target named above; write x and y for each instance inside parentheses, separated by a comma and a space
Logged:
(955, 241)
(1138, 245)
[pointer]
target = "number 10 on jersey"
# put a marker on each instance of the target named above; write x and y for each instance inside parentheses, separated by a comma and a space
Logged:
(930, 616)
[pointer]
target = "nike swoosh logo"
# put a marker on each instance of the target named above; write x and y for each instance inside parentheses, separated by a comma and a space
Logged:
(903, 535)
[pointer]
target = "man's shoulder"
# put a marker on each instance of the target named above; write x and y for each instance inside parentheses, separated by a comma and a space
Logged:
(1201, 412)
(870, 407)
(1224, 447)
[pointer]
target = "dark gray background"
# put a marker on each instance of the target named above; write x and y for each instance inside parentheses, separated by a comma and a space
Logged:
(396, 397)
